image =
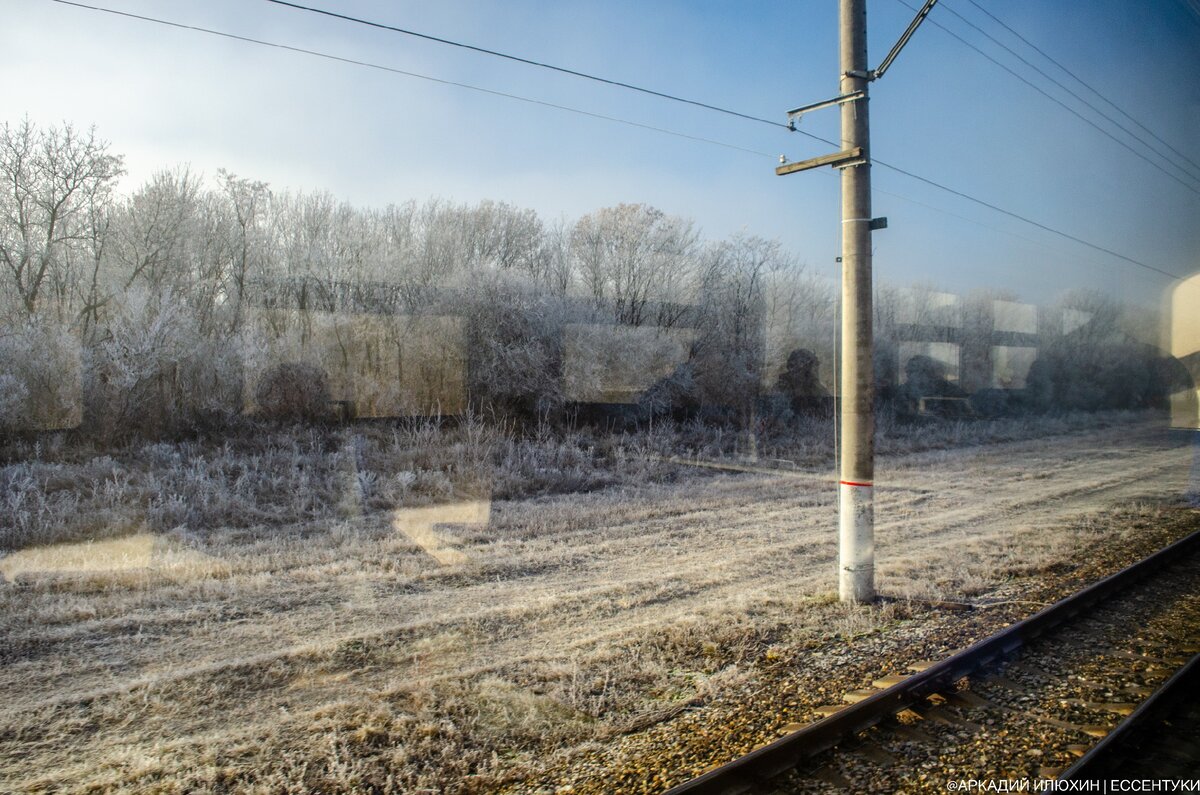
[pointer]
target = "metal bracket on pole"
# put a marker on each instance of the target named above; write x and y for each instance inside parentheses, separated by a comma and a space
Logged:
(878, 71)
(795, 114)
(836, 159)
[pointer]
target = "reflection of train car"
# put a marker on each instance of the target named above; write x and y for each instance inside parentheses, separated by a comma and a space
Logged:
(940, 355)
(380, 359)
(980, 356)
(984, 345)
(1183, 331)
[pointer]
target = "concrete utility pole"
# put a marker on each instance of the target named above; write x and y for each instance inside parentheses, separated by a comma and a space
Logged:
(856, 486)
(856, 478)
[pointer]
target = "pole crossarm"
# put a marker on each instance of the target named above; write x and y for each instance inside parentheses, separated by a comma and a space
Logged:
(835, 159)
(878, 71)
(795, 114)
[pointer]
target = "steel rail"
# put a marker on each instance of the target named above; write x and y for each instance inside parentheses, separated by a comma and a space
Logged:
(762, 764)
(1091, 765)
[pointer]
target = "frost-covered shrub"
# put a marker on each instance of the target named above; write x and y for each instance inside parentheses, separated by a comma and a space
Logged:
(513, 347)
(39, 377)
(13, 396)
(152, 371)
(293, 392)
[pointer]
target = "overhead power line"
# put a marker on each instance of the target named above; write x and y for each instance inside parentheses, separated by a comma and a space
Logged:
(543, 65)
(1059, 102)
(1042, 244)
(1150, 147)
(418, 75)
(996, 208)
(590, 114)
(1024, 219)
(527, 61)
(1194, 6)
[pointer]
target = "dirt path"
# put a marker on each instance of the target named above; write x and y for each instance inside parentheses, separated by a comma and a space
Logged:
(155, 669)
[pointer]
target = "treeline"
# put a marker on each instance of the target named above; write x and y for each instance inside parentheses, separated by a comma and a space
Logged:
(127, 314)
(150, 292)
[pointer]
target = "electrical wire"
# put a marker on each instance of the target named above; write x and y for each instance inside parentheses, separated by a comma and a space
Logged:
(1070, 259)
(1029, 221)
(529, 62)
(996, 208)
(968, 219)
(615, 119)
(1058, 101)
(1067, 89)
(418, 75)
(552, 67)
(1081, 82)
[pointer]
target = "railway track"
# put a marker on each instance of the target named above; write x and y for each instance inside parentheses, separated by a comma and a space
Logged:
(1044, 698)
(1159, 739)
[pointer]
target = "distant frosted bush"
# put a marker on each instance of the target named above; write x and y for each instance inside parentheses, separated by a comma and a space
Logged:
(40, 377)
(154, 371)
(293, 392)
(13, 395)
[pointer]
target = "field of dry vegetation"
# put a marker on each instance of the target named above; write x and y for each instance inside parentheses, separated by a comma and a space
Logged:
(463, 609)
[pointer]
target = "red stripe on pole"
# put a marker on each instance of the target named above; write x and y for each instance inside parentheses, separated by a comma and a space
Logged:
(852, 483)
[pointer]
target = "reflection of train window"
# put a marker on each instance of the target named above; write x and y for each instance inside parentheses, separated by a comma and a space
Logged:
(927, 308)
(1010, 365)
(424, 373)
(1073, 319)
(617, 364)
(1184, 328)
(1014, 317)
(945, 354)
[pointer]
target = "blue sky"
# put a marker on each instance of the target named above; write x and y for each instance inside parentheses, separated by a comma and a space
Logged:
(165, 97)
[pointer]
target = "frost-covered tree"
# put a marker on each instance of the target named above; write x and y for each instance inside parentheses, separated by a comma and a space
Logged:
(54, 205)
(157, 230)
(247, 203)
(732, 348)
(632, 255)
